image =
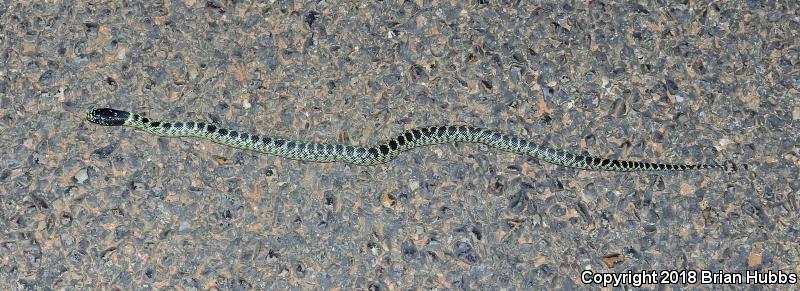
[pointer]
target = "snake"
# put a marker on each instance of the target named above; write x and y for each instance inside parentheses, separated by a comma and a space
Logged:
(374, 154)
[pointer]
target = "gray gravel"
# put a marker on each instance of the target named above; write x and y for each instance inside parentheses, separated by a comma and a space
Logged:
(83, 206)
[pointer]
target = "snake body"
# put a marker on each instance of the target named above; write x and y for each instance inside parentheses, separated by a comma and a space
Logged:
(375, 154)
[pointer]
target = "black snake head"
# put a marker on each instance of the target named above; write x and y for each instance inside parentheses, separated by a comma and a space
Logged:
(107, 116)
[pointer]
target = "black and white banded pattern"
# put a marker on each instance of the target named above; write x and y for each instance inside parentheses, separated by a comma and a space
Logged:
(375, 154)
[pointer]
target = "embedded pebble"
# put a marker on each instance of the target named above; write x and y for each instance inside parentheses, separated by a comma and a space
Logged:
(414, 185)
(185, 225)
(82, 176)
